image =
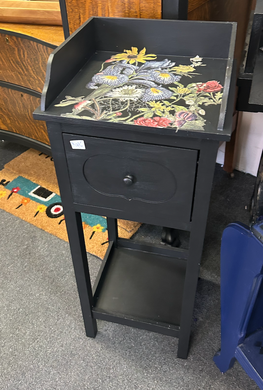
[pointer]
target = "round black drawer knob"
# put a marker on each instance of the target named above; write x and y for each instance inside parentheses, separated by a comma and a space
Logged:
(128, 180)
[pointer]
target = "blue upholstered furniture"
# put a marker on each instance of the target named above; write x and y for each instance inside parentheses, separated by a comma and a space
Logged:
(242, 300)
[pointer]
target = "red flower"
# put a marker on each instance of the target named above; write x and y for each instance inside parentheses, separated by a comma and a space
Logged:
(162, 122)
(155, 122)
(146, 122)
(118, 114)
(209, 86)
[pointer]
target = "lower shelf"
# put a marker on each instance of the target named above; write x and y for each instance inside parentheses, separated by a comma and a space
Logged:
(141, 289)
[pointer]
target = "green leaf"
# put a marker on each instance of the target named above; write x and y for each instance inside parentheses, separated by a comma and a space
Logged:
(194, 125)
(192, 85)
(203, 100)
(179, 84)
(210, 102)
(218, 95)
(180, 108)
(148, 114)
(143, 109)
(67, 103)
(190, 96)
(158, 112)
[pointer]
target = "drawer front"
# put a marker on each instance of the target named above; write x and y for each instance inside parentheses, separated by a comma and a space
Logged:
(23, 61)
(16, 115)
(148, 183)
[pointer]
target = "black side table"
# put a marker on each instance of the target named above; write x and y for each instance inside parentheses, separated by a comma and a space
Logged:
(135, 136)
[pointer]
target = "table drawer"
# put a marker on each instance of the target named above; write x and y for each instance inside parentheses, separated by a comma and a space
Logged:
(151, 183)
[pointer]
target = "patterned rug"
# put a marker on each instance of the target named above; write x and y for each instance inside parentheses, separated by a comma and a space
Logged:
(29, 190)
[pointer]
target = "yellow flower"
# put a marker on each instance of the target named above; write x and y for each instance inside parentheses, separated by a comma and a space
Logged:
(183, 69)
(183, 91)
(132, 56)
(41, 208)
(2, 194)
(156, 105)
(98, 228)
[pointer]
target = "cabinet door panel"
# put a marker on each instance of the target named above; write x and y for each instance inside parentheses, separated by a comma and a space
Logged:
(23, 61)
(16, 110)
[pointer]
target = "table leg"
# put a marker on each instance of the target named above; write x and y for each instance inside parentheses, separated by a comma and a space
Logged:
(199, 217)
(112, 229)
(75, 231)
(80, 264)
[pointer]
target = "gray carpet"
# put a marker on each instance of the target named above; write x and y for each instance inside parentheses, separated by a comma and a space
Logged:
(43, 342)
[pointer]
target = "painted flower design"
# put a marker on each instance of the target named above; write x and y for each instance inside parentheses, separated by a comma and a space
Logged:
(184, 116)
(81, 106)
(209, 86)
(127, 92)
(156, 106)
(197, 61)
(156, 94)
(110, 79)
(138, 88)
(183, 91)
(121, 66)
(183, 68)
(112, 70)
(153, 122)
(162, 122)
(163, 77)
(133, 57)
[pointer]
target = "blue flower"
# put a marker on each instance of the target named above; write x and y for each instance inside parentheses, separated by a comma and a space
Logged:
(157, 93)
(112, 80)
(164, 77)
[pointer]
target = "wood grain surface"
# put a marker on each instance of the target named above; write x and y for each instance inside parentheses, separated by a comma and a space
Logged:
(23, 62)
(36, 12)
(226, 11)
(49, 34)
(16, 110)
(207, 10)
(193, 4)
(79, 11)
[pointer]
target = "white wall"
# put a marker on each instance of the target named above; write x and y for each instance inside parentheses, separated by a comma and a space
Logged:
(249, 143)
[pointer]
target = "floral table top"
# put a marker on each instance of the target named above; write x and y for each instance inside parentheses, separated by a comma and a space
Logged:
(140, 89)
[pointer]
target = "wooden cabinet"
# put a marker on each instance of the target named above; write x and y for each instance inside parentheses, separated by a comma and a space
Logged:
(78, 11)
(23, 60)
